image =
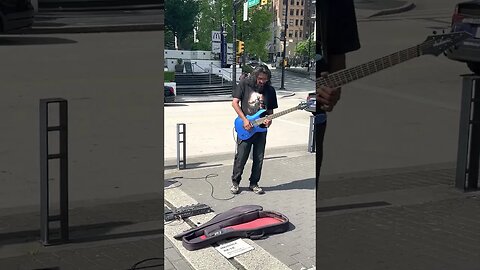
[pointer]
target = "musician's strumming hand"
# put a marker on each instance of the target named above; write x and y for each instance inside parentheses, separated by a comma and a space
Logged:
(327, 96)
(247, 125)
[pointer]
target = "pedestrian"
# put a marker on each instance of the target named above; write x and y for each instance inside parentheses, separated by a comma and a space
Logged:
(250, 95)
(338, 36)
(243, 76)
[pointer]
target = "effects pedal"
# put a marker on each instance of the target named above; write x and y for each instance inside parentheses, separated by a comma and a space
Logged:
(187, 211)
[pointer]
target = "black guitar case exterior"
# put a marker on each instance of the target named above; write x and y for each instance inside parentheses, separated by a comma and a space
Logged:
(247, 221)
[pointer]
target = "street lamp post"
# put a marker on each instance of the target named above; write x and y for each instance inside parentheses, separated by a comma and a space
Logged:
(310, 24)
(309, 46)
(282, 86)
(234, 33)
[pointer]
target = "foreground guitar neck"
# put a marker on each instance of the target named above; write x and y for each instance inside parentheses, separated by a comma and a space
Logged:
(275, 115)
(342, 77)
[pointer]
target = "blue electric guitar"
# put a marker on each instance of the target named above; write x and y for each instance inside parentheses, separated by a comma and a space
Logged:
(258, 119)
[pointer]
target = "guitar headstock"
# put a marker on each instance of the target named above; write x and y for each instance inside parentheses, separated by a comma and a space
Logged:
(306, 104)
(436, 44)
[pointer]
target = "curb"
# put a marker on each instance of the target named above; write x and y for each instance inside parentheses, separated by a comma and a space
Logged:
(408, 6)
(302, 72)
(285, 93)
(209, 98)
(94, 29)
(198, 99)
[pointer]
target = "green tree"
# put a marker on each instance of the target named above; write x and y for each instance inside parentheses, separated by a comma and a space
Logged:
(214, 13)
(302, 49)
(180, 18)
(255, 32)
(169, 40)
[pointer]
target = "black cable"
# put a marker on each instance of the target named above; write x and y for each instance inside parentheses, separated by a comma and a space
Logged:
(206, 179)
(211, 194)
(170, 187)
(173, 178)
(142, 261)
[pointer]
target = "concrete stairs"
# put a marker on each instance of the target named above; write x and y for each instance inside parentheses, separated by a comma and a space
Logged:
(196, 84)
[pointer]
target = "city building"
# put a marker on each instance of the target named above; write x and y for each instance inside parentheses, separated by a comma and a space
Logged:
(300, 18)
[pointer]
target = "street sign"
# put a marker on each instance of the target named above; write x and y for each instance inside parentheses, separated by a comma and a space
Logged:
(245, 11)
(216, 47)
(229, 47)
(252, 3)
(216, 36)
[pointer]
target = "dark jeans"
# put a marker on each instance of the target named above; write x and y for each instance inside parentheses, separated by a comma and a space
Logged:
(319, 136)
(258, 141)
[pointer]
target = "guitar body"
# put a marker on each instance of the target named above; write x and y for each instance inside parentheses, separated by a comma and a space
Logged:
(244, 134)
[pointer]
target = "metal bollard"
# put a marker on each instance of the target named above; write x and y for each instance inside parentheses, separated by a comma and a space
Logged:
(311, 135)
(181, 143)
(62, 128)
(468, 155)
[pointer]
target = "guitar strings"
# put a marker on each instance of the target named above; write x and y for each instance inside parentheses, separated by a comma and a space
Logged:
(334, 79)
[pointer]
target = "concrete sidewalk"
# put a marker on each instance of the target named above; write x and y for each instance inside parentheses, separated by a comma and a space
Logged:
(405, 218)
(288, 180)
(114, 234)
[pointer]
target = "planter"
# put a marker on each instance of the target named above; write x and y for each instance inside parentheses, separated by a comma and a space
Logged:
(179, 68)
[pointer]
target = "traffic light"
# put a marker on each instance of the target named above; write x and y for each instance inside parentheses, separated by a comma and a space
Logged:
(264, 2)
(240, 46)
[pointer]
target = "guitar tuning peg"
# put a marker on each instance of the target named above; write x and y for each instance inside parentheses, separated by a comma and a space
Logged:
(443, 31)
(434, 32)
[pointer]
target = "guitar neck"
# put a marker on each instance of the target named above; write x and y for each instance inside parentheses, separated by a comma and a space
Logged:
(342, 77)
(275, 115)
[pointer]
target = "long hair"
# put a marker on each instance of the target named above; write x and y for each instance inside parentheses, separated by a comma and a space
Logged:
(262, 69)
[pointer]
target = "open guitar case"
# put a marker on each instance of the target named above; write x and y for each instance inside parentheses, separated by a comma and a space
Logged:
(246, 221)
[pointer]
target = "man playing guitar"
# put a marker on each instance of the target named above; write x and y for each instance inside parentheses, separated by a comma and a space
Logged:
(251, 95)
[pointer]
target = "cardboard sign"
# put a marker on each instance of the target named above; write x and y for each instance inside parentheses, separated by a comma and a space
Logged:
(233, 248)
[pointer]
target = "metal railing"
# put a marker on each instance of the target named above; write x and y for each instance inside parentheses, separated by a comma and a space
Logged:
(221, 71)
(61, 128)
(468, 155)
(195, 64)
(181, 146)
(224, 74)
(209, 72)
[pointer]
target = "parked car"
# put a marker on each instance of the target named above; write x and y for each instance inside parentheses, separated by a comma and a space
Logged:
(253, 63)
(169, 96)
(466, 17)
(15, 14)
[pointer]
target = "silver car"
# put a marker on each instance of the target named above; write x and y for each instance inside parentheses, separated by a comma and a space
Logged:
(466, 17)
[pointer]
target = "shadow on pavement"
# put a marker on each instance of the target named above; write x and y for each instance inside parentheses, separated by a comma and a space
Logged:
(100, 236)
(174, 104)
(276, 157)
(308, 183)
(15, 41)
(78, 234)
(197, 165)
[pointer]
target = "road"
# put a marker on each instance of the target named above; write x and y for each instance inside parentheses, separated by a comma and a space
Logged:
(293, 81)
(112, 82)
